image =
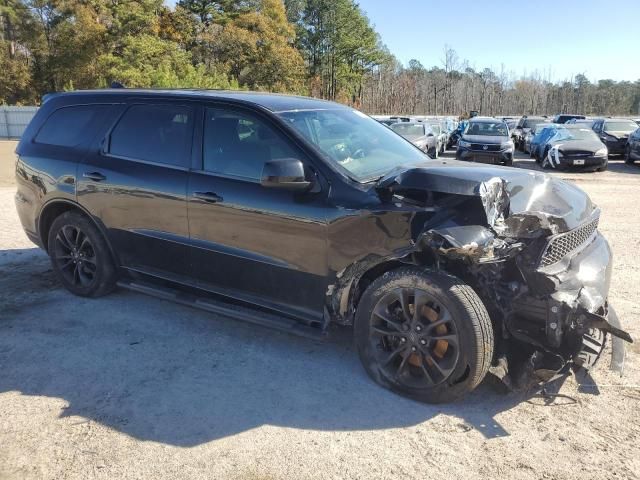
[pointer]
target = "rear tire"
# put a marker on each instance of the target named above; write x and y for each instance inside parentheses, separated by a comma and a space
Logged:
(448, 340)
(80, 256)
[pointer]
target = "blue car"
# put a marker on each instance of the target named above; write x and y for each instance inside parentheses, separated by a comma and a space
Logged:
(540, 140)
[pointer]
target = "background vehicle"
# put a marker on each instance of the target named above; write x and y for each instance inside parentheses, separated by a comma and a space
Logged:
(614, 133)
(511, 123)
(384, 119)
(565, 117)
(526, 144)
(539, 141)
(522, 128)
(421, 135)
(296, 213)
(400, 119)
(587, 122)
(632, 152)
(575, 146)
(486, 140)
(441, 135)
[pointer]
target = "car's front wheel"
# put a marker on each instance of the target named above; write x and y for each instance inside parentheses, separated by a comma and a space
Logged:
(80, 256)
(424, 334)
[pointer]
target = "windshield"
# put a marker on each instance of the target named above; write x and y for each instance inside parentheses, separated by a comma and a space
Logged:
(576, 134)
(624, 127)
(487, 129)
(408, 130)
(357, 143)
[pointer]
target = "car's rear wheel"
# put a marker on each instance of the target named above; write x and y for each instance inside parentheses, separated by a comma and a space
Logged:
(423, 334)
(80, 256)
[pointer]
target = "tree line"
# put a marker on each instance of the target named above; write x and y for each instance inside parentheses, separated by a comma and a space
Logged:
(324, 48)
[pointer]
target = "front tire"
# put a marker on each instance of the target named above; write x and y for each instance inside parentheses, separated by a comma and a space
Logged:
(80, 256)
(423, 334)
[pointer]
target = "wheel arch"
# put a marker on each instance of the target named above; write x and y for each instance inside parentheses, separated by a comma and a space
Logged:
(345, 294)
(54, 208)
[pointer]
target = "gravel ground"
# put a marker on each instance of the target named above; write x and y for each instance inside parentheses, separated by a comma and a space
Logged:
(128, 386)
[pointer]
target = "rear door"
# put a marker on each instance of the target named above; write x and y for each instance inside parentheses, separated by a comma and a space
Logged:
(136, 185)
(265, 245)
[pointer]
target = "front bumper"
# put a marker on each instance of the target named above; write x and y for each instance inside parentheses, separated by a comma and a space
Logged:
(481, 156)
(567, 161)
(616, 147)
(566, 299)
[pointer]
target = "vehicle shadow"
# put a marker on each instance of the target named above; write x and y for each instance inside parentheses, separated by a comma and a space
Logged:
(159, 371)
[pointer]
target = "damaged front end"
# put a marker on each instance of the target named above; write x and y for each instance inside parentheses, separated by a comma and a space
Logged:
(538, 261)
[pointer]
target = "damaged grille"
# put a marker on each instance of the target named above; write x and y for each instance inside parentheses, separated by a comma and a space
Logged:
(562, 245)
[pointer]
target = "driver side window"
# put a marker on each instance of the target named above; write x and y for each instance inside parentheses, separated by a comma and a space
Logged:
(238, 144)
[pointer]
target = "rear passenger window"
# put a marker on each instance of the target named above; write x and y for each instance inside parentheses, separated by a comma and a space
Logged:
(239, 144)
(69, 126)
(154, 133)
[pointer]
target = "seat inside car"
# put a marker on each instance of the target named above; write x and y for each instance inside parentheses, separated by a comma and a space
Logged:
(226, 152)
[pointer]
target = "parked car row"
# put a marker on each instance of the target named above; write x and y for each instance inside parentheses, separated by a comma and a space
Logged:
(566, 140)
(430, 134)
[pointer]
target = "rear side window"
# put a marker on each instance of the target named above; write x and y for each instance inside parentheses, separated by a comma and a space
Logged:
(154, 133)
(69, 126)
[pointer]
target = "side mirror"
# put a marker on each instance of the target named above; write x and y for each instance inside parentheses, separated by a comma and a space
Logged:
(286, 173)
(430, 135)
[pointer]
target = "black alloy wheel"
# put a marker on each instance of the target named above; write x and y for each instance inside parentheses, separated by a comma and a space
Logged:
(414, 337)
(80, 256)
(75, 257)
(423, 334)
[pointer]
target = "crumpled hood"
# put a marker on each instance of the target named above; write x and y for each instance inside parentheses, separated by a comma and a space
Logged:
(519, 203)
(569, 146)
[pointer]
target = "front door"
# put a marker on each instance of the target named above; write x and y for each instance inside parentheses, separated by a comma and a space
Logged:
(267, 246)
(136, 184)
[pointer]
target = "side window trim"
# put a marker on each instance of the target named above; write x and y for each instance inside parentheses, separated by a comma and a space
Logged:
(105, 144)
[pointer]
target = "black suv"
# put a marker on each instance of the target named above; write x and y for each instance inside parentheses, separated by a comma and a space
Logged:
(614, 133)
(298, 213)
(486, 140)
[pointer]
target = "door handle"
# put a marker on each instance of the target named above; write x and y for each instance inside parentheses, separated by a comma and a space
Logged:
(208, 196)
(95, 176)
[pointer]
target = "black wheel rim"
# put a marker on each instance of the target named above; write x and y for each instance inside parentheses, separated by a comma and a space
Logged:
(75, 257)
(414, 338)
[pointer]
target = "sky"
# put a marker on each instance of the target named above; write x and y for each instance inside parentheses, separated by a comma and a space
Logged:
(559, 39)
